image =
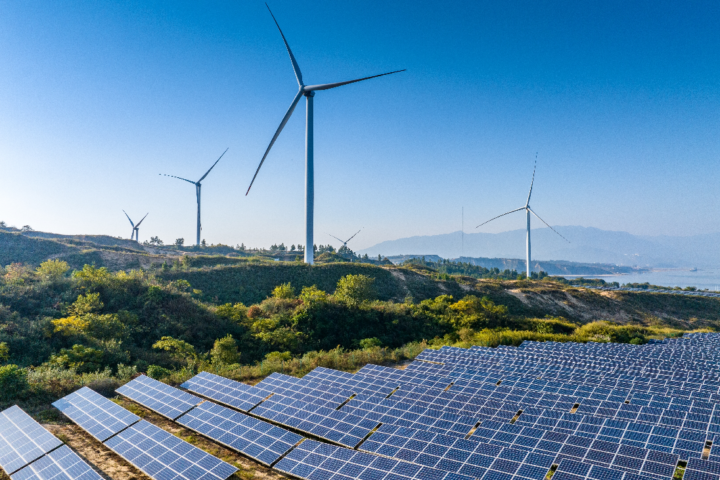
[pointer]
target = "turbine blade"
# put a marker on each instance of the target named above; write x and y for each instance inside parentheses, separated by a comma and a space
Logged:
(296, 68)
(179, 178)
(507, 213)
(138, 224)
(277, 134)
(128, 216)
(336, 238)
(353, 236)
(216, 161)
(328, 86)
(548, 225)
(532, 182)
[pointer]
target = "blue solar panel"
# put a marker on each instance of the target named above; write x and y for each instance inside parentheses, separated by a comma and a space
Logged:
(163, 456)
(572, 470)
(60, 464)
(97, 415)
(336, 426)
(313, 460)
(228, 392)
(259, 440)
(164, 399)
(22, 439)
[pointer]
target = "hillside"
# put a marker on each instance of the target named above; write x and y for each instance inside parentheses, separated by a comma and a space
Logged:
(588, 245)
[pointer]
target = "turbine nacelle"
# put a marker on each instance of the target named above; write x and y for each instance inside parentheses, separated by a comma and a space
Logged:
(528, 211)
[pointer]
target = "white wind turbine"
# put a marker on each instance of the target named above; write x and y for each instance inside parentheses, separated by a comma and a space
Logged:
(135, 228)
(528, 211)
(308, 91)
(345, 242)
(198, 187)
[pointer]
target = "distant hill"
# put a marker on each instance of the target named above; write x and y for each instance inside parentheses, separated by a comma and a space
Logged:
(588, 245)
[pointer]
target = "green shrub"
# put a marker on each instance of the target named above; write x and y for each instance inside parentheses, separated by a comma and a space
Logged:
(370, 342)
(353, 290)
(13, 382)
(157, 372)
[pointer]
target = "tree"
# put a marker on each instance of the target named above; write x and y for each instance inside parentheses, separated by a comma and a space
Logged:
(180, 350)
(13, 382)
(3, 225)
(367, 343)
(4, 352)
(179, 242)
(354, 290)
(26, 228)
(292, 247)
(312, 295)
(83, 359)
(284, 290)
(155, 241)
(225, 351)
(203, 243)
(16, 273)
(52, 270)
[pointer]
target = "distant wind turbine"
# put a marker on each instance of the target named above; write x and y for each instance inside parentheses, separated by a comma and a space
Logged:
(135, 228)
(197, 192)
(309, 92)
(345, 242)
(528, 211)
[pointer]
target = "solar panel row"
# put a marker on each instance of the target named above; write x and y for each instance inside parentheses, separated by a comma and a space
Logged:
(60, 464)
(157, 453)
(22, 440)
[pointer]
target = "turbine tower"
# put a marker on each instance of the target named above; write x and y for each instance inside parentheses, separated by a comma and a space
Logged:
(528, 211)
(308, 91)
(345, 242)
(135, 228)
(197, 192)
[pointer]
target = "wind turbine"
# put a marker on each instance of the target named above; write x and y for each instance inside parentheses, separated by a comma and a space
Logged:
(345, 242)
(308, 91)
(135, 228)
(197, 191)
(528, 211)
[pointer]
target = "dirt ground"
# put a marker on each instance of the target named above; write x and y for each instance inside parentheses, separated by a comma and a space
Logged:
(113, 467)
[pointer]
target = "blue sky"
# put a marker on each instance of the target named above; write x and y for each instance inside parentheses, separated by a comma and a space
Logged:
(621, 100)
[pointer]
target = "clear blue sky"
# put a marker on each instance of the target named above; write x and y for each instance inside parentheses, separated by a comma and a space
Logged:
(620, 99)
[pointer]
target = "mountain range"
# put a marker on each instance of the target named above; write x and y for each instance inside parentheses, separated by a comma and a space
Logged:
(588, 245)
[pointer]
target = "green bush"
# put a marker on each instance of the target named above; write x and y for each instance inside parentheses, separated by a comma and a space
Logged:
(157, 372)
(13, 382)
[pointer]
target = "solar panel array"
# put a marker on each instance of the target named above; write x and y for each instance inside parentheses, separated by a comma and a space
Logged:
(95, 414)
(228, 392)
(22, 440)
(163, 456)
(164, 399)
(258, 440)
(315, 461)
(593, 411)
(157, 453)
(335, 426)
(60, 464)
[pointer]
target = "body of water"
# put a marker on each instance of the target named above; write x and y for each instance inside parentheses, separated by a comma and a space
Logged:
(701, 279)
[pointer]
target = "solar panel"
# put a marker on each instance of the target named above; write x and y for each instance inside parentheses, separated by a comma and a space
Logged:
(313, 460)
(228, 392)
(456, 455)
(164, 399)
(336, 426)
(163, 456)
(97, 415)
(572, 470)
(60, 464)
(22, 439)
(259, 440)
